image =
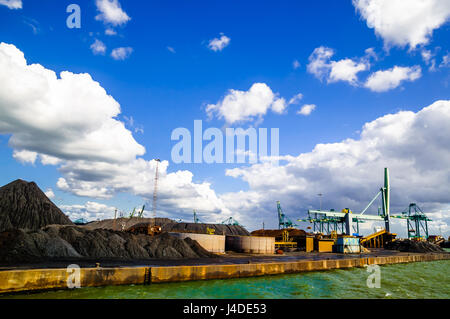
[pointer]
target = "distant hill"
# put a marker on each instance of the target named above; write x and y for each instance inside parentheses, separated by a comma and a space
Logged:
(24, 205)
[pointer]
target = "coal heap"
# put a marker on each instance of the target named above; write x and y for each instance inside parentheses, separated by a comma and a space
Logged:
(219, 229)
(24, 205)
(412, 246)
(126, 223)
(58, 242)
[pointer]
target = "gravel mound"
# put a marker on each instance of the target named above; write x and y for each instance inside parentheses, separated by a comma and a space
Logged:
(74, 242)
(167, 225)
(126, 223)
(24, 205)
(220, 229)
(412, 246)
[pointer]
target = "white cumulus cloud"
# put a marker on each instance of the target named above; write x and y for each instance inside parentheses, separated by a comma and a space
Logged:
(98, 47)
(49, 193)
(323, 68)
(47, 114)
(12, 4)
(218, 44)
(121, 53)
(89, 211)
(401, 23)
(445, 61)
(382, 81)
(246, 106)
(25, 156)
(306, 109)
(111, 12)
(110, 31)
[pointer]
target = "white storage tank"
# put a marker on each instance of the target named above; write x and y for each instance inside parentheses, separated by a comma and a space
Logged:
(212, 243)
(251, 244)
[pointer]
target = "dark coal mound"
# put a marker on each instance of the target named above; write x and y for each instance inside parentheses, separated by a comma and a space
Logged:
(219, 229)
(72, 242)
(168, 225)
(126, 223)
(411, 246)
(24, 205)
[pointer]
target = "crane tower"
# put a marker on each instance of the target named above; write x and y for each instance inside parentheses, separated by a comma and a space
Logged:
(155, 190)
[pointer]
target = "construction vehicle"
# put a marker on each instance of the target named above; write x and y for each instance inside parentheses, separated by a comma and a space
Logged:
(210, 231)
(286, 243)
(145, 228)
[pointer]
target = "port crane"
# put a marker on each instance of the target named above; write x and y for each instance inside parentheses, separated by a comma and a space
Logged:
(133, 212)
(283, 220)
(150, 228)
(416, 222)
(141, 213)
(155, 190)
(196, 219)
(230, 221)
(343, 221)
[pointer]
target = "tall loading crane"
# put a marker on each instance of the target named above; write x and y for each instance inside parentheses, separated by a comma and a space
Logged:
(155, 189)
(149, 228)
(343, 221)
(283, 220)
(416, 222)
(141, 213)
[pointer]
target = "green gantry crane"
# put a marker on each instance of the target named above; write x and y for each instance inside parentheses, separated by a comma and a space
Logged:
(416, 222)
(283, 220)
(231, 221)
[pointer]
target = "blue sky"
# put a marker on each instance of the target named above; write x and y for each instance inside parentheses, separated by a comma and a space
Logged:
(162, 89)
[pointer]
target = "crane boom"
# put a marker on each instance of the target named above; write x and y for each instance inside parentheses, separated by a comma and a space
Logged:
(155, 190)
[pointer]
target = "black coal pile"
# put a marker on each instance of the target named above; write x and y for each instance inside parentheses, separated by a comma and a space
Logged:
(125, 223)
(57, 242)
(412, 246)
(24, 205)
(219, 229)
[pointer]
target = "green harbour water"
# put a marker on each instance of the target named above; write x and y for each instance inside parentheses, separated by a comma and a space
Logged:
(413, 280)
